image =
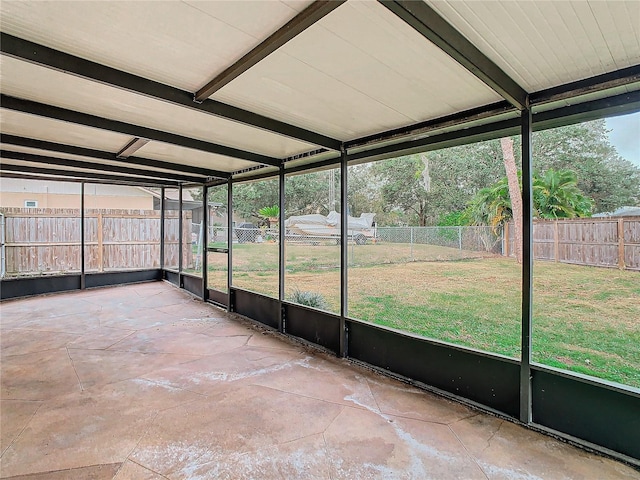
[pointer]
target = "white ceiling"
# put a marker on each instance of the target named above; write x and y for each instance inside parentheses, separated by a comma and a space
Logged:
(358, 71)
(178, 43)
(25, 80)
(542, 44)
(40, 128)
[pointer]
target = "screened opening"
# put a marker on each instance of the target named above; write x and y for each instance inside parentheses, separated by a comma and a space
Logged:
(586, 309)
(171, 229)
(255, 235)
(122, 228)
(312, 239)
(39, 227)
(436, 264)
(193, 230)
(217, 237)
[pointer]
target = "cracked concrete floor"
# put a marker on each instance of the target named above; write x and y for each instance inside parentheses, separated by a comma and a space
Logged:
(146, 382)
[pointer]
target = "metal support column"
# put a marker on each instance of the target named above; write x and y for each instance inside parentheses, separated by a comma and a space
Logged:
(282, 323)
(344, 253)
(82, 279)
(527, 267)
(180, 249)
(162, 230)
(229, 244)
(205, 241)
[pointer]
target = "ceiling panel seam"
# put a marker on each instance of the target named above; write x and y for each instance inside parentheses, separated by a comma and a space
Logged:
(5, 167)
(68, 178)
(436, 29)
(50, 58)
(303, 20)
(80, 164)
(101, 155)
(619, 104)
(63, 114)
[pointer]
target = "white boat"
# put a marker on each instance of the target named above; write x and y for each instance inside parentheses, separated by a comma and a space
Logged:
(317, 227)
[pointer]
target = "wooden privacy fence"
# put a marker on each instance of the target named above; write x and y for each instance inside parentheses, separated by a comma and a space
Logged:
(601, 242)
(47, 240)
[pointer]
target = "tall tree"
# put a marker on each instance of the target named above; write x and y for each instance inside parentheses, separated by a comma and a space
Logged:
(585, 148)
(403, 185)
(515, 194)
(404, 190)
(458, 173)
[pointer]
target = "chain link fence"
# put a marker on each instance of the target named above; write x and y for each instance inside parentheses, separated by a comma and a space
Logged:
(311, 258)
(415, 244)
(382, 245)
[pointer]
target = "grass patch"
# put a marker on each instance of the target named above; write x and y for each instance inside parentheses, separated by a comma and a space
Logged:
(586, 319)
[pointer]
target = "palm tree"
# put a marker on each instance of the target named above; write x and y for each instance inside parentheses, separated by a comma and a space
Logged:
(555, 195)
(491, 205)
(270, 214)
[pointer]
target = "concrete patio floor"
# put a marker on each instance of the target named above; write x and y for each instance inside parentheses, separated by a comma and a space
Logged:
(146, 382)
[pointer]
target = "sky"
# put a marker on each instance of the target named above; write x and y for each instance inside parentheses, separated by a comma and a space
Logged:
(625, 136)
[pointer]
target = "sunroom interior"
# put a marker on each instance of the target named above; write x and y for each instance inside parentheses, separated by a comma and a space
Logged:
(190, 101)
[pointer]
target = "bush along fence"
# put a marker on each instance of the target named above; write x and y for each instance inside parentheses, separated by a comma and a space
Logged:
(39, 241)
(612, 242)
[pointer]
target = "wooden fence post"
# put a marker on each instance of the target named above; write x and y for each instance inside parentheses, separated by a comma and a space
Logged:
(555, 241)
(100, 226)
(506, 239)
(621, 265)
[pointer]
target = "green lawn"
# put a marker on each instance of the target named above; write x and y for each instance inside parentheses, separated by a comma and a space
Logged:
(586, 319)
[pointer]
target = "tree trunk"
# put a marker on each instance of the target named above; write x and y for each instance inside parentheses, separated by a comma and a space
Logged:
(422, 220)
(514, 193)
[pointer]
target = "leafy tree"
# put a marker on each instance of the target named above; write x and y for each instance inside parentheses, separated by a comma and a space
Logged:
(405, 185)
(491, 205)
(555, 195)
(454, 219)
(309, 192)
(458, 173)
(249, 198)
(603, 175)
(305, 193)
(422, 189)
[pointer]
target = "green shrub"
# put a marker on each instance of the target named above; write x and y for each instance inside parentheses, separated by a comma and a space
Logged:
(269, 212)
(309, 299)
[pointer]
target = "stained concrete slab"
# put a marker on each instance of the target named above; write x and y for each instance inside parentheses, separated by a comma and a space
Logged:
(403, 401)
(132, 471)
(38, 375)
(16, 415)
(146, 382)
(94, 472)
(100, 338)
(365, 443)
(207, 375)
(498, 446)
(238, 420)
(20, 342)
(100, 367)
